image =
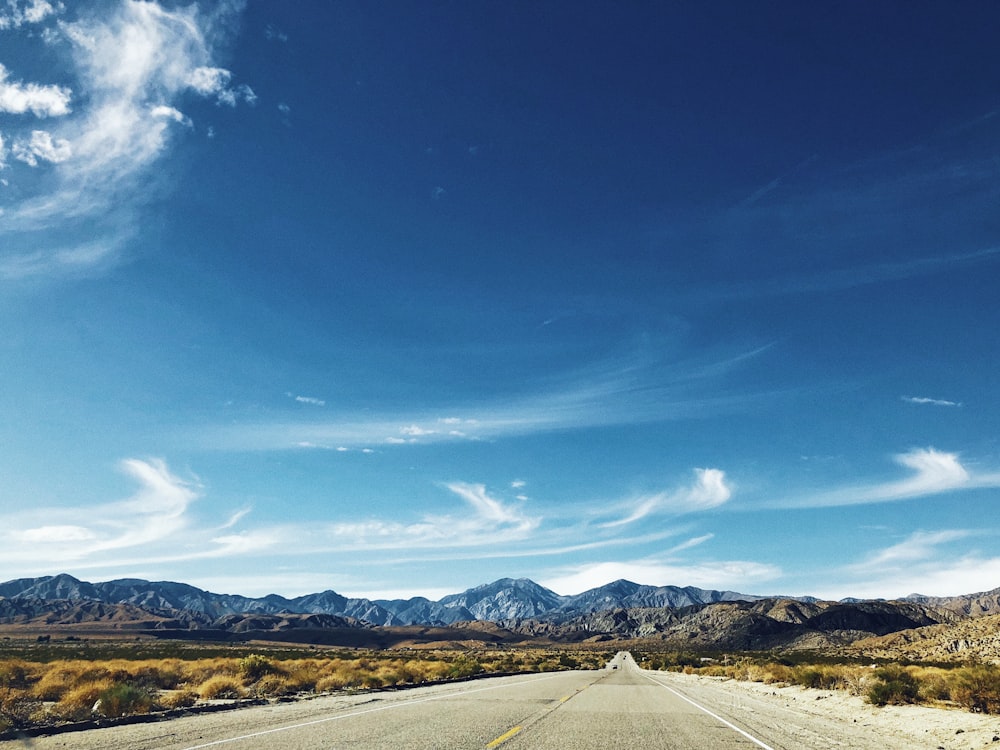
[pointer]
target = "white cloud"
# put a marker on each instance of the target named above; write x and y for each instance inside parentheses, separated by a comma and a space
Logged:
(310, 400)
(929, 401)
(153, 516)
(708, 491)
(42, 101)
(414, 430)
(170, 113)
(489, 508)
(209, 81)
(934, 472)
(50, 534)
(214, 82)
(18, 14)
(919, 546)
(491, 522)
(41, 146)
(131, 64)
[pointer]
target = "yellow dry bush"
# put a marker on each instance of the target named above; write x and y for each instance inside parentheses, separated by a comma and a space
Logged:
(77, 703)
(221, 686)
(303, 675)
(16, 673)
(201, 670)
(272, 686)
(179, 698)
(54, 683)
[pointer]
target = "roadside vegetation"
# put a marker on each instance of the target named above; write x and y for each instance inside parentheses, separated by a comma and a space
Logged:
(50, 686)
(972, 686)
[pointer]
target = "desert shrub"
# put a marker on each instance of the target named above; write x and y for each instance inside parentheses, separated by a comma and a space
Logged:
(302, 677)
(201, 670)
(17, 708)
(329, 684)
(271, 686)
(893, 684)
(255, 666)
(14, 673)
(52, 685)
(179, 699)
(77, 703)
(776, 673)
(124, 699)
(808, 676)
(464, 666)
(221, 686)
(164, 675)
(977, 688)
(933, 685)
(565, 660)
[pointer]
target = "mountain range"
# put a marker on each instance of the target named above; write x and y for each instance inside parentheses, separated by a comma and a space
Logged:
(510, 611)
(502, 600)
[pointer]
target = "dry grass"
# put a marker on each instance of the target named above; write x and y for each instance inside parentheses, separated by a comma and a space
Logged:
(75, 689)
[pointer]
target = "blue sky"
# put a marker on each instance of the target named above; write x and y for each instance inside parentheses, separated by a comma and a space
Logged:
(399, 298)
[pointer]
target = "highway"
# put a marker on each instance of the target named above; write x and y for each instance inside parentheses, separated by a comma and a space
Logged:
(621, 706)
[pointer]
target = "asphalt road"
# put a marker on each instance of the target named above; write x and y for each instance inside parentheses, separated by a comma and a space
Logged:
(618, 707)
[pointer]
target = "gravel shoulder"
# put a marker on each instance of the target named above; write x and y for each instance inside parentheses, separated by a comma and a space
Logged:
(913, 726)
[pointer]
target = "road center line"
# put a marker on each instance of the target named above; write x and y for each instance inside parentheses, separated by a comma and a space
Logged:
(713, 715)
(401, 704)
(504, 737)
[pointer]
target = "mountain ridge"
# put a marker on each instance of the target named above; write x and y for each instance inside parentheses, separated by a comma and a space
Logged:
(505, 600)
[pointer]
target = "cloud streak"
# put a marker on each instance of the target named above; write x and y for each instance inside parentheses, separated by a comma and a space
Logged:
(638, 392)
(157, 513)
(933, 472)
(709, 490)
(923, 401)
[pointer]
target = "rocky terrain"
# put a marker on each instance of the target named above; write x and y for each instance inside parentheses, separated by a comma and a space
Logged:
(975, 638)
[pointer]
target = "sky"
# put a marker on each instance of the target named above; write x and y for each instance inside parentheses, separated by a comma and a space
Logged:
(399, 298)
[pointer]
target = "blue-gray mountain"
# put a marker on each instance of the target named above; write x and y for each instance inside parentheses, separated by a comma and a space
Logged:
(622, 607)
(503, 600)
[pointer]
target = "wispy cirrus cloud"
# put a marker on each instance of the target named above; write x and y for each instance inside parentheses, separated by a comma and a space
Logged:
(89, 170)
(933, 472)
(924, 401)
(155, 514)
(636, 392)
(709, 490)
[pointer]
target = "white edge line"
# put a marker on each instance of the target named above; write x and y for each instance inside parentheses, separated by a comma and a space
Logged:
(714, 716)
(401, 704)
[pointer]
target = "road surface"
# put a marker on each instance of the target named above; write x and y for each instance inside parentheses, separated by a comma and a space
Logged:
(621, 706)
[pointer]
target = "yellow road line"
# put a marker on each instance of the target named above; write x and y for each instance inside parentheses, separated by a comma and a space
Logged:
(504, 737)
